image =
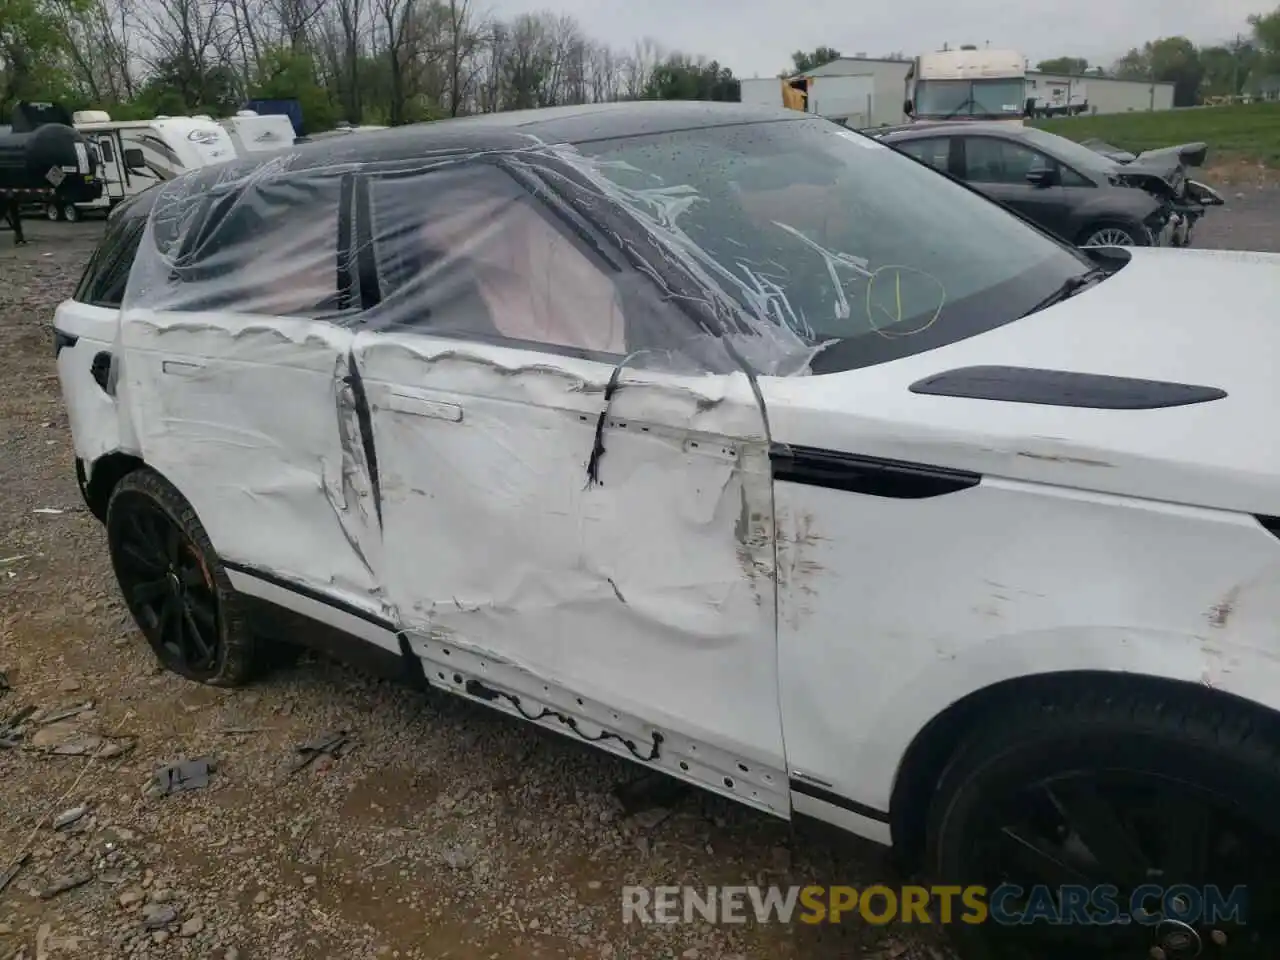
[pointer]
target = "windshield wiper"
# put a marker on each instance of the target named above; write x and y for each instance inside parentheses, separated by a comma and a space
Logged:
(966, 103)
(1069, 288)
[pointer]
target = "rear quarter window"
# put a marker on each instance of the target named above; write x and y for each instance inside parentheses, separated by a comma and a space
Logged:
(104, 279)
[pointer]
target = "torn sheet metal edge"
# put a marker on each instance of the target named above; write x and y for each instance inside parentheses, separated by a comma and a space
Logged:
(460, 369)
(449, 667)
(141, 325)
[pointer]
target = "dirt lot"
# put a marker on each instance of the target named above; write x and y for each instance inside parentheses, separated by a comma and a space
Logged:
(447, 832)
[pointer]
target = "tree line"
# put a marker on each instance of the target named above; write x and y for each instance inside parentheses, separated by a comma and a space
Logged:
(399, 61)
(359, 61)
(1247, 65)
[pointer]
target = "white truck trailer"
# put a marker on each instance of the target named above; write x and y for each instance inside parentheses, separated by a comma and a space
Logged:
(968, 84)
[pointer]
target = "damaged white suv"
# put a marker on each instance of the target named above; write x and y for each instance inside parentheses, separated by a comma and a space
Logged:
(735, 443)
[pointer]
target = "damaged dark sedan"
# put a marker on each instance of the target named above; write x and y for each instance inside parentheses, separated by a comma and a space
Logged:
(1078, 193)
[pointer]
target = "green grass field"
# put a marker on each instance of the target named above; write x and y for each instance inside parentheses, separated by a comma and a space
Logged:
(1234, 133)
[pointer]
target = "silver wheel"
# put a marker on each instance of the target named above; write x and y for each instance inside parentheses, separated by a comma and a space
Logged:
(70, 213)
(53, 211)
(1111, 237)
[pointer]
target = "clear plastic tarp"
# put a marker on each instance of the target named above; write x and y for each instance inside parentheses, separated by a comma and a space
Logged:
(537, 249)
(740, 246)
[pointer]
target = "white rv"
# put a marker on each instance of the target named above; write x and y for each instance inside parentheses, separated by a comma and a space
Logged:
(254, 133)
(1058, 98)
(967, 84)
(136, 154)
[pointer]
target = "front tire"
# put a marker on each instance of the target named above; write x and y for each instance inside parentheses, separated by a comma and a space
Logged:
(1113, 235)
(71, 213)
(1084, 791)
(53, 211)
(174, 584)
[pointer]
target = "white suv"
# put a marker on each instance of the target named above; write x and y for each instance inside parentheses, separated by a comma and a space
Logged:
(737, 444)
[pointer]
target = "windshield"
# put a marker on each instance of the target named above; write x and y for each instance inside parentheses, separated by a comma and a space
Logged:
(834, 236)
(969, 98)
(1068, 151)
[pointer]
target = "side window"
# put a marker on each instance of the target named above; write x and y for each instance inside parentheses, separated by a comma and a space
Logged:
(991, 160)
(936, 153)
(103, 282)
(1069, 178)
(269, 247)
(108, 152)
(467, 251)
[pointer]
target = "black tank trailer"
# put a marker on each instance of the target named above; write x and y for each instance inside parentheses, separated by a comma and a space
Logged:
(43, 158)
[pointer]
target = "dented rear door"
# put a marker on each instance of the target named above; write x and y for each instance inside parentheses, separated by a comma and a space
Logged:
(561, 497)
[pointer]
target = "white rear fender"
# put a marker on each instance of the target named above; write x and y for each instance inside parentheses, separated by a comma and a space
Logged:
(84, 338)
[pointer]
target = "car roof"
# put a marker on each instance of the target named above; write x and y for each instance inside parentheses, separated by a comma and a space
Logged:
(936, 128)
(519, 129)
(508, 131)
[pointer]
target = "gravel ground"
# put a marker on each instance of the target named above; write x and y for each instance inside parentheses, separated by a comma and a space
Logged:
(447, 831)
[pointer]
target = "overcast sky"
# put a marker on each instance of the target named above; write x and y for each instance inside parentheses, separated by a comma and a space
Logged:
(753, 37)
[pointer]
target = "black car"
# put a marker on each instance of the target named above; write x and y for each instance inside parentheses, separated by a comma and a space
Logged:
(1077, 193)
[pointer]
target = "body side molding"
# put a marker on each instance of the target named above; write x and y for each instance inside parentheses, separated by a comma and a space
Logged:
(873, 476)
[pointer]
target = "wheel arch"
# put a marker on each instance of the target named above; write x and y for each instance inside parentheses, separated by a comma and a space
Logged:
(936, 743)
(101, 478)
(1091, 223)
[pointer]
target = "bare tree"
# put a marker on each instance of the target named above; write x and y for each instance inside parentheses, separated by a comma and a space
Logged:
(187, 40)
(638, 68)
(464, 40)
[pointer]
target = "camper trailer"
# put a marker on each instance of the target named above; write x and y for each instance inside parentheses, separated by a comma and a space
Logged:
(135, 154)
(253, 133)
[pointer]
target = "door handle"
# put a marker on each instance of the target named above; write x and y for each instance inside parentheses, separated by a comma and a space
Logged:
(181, 368)
(421, 407)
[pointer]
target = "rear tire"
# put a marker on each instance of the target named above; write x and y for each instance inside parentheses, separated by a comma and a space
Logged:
(175, 586)
(53, 211)
(1121, 790)
(71, 213)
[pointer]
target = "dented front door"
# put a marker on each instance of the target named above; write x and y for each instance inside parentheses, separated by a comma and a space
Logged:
(639, 577)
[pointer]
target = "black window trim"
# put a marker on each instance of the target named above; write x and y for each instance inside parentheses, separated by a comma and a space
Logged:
(1058, 164)
(551, 205)
(942, 138)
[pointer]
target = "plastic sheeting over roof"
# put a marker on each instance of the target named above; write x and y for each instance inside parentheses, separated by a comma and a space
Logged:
(538, 247)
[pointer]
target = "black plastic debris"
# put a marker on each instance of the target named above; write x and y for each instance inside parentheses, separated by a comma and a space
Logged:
(182, 777)
(68, 817)
(4, 683)
(652, 791)
(11, 729)
(7, 875)
(65, 713)
(335, 744)
(63, 884)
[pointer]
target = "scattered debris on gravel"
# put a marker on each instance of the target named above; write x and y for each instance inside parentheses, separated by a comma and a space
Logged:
(321, 813)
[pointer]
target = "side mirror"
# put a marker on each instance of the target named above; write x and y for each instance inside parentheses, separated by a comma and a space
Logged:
(1040, 178)
(133, 159)
(908, 108)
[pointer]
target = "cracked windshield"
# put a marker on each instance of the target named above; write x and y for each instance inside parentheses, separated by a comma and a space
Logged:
(566, 480)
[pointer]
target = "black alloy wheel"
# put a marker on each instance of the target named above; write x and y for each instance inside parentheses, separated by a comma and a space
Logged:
(174, 585)
(1138, 810)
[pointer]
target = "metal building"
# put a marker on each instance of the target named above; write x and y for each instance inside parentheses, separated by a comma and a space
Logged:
(888, 83)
